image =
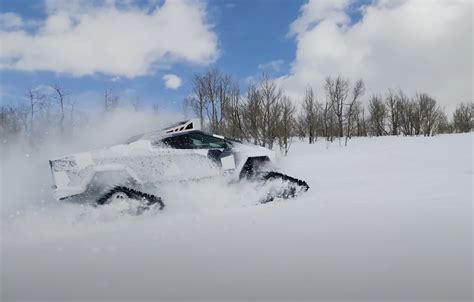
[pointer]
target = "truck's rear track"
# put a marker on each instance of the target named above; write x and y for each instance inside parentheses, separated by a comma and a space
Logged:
(291, 188)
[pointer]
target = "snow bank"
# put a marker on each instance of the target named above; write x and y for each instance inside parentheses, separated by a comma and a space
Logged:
(385, 218)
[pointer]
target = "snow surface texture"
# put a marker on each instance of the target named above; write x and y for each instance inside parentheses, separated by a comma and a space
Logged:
(385, 218)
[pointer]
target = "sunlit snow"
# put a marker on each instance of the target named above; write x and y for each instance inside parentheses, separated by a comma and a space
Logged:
(385, 218)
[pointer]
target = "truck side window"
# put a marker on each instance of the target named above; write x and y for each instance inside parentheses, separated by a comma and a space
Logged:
(178, 142)
(194, 140)
(203, 141)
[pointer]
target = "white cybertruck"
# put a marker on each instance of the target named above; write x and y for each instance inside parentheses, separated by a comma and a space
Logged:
(137, 169)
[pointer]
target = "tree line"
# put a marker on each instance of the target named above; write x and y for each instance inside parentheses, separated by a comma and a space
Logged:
(265, 116)
(46, 110)
(261, 114)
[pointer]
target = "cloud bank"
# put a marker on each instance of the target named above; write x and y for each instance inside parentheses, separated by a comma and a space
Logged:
(112, 38)
(417, 45)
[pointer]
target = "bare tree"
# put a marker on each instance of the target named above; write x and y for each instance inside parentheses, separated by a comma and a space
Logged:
(329, 120)
(308, 119)
(463, 118)
(34, 98)
(357, 92)
(410, 115)
(406, 113)
(211, 83)
(232, 124)
(428, 114)
(360, 123)
(393, 103)
(342, 100)
(225, 90)
(444, 126)
(198, 101)
(286, 124)
(270, 102)
(300, 127)
(212, 92)
(253, 114)
(337, 91)
(61, 98)
(377, 115)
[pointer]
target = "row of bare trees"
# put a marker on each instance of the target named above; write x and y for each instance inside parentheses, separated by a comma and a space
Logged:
(397, 114)
(39, 110)
(50, 108)
(337, 117)
(343, 114)
(262, 114)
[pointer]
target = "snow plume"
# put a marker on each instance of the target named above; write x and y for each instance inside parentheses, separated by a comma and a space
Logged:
(26, 193)
(25, 174)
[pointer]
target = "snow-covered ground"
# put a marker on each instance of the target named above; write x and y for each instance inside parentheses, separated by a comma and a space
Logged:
(385, 219)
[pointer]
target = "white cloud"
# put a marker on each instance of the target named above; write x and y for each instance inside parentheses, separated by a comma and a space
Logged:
(10, 21)
(113, 38)
(316, 11)
(172, 81)
(274, 65)
(417, 45)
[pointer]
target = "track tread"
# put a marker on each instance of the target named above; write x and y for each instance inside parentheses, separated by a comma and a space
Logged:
(134, 194)
(287, 194)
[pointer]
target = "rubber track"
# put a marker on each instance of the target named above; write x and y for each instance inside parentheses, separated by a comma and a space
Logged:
(134, 194)
(299, 182)
(276, 175)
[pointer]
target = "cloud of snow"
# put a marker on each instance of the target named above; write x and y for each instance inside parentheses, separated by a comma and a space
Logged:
(416, 45)
(172, 81)
(116, 38)
(97, 130)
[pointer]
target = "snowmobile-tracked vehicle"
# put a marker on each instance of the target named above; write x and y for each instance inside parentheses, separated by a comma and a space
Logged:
(181, 152)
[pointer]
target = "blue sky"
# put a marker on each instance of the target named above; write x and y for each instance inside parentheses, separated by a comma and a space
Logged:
(250, 33)
(81, 45)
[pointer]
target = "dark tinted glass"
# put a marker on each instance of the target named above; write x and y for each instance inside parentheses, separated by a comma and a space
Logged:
(203, 141)
(178, 142)
(194, 140)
